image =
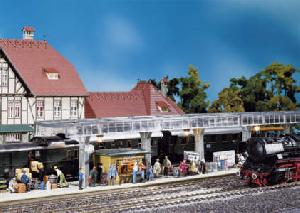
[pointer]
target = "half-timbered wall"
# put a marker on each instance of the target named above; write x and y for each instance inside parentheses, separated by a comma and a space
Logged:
(18, 107)
(49, 105)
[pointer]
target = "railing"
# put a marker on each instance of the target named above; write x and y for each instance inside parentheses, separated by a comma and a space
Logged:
(165, 123)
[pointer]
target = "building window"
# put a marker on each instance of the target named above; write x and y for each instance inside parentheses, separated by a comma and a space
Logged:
(74, 108)
(14, 109)
(53, 76)
(57, 109)
(12, 137)
(3, 74)
(40, 109)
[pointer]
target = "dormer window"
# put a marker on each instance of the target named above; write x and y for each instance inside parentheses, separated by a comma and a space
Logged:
(52, 74)
(162, 106)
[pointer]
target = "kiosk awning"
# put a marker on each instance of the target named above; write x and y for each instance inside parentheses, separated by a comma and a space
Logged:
(121, 152)
(5, 128)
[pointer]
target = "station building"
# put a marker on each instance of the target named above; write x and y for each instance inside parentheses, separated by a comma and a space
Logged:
(146, 100)
(36, 83)
(143, 100)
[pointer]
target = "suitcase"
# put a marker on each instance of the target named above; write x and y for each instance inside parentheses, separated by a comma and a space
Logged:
(21, 188)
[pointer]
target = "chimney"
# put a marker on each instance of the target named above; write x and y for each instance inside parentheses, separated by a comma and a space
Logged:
(164, 86)
(28, 32)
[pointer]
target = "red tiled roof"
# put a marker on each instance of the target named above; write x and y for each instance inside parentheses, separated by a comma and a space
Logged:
(115, 104)
(30, 59)
(140, 101)
(152, 95)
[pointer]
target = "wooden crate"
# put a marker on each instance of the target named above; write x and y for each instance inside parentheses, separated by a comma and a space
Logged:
(53, 185)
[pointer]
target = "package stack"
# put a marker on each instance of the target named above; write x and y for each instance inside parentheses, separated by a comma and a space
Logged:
(19, 173)
(224, 159)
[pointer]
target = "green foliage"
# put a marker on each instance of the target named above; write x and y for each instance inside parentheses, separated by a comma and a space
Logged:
(272, 89)
(192, 92)
(281, 103)
(280, 80)
(229, 100)
(173, 89)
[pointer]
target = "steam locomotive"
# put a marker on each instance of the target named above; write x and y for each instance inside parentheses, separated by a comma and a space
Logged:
(271, 161)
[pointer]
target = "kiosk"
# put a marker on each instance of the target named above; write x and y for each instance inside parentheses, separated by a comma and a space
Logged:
(124, 160)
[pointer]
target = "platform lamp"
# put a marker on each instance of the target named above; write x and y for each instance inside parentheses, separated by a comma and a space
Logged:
(99, 138)
(256, 128)
(186, 132)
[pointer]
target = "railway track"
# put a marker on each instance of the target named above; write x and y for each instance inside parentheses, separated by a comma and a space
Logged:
(145, 198)
(148, 204)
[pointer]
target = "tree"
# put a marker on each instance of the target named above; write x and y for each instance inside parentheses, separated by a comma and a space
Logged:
(192, 92)
(173, 90)
(281, 103)
(229, 100)
(274, 88)
(280, 80)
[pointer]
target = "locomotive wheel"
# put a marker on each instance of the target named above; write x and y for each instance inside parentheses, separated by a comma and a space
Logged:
(250, 182)
(276, 178)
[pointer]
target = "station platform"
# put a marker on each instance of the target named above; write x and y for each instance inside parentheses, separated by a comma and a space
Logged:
(73, 188)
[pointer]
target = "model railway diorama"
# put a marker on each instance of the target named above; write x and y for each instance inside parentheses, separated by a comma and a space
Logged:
(268, 161)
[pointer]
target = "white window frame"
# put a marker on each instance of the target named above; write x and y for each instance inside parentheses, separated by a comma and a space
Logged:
(57, 109)
(74, 108)
(12, 137)
(4, 74)
(17, 109)
(14, 109)
(10, 109)
(40, 109)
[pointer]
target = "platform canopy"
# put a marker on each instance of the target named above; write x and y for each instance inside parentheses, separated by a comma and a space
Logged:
(117, 125)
